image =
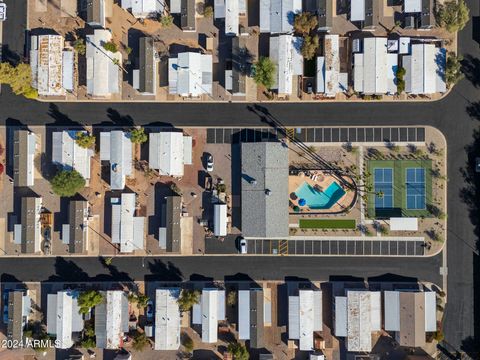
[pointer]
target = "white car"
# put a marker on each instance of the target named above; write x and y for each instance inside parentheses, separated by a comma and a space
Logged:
(210, 163)
(3, 11)
(243, 246)
(149, 309)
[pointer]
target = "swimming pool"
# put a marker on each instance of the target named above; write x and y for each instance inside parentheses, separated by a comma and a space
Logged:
(316, 199)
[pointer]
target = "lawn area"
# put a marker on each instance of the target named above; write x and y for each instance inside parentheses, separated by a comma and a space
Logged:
(327, 224)
(399, 207)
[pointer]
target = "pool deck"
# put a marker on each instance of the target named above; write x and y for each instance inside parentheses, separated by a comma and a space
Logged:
(323, 181)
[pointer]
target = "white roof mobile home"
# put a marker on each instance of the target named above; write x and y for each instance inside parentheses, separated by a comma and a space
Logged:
(67, 153)
(285, 54)
(103, 74)
(127, 230)
(277, 16)
(425, 69)
(63, 317)
(167, 319)
(190, 74)
(374, 69)
(305, 317)
(116, 147)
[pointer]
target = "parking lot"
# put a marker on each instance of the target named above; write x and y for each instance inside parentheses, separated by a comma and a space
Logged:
(320, 134)
(367, 247)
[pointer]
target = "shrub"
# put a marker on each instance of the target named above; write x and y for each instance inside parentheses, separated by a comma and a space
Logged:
(208, 12)
(110, 46)
(187, 343)
(188, 298)
(310, 46)
(453, 15)
(79, 46)
(238, 351)
(305, 22)
(138, 136)
(67, 183)
(84, 139)
(232, 298)
(453, 71)
(400, 80)
(140, 340)
(140, 299)
(264, 70)
(89, 299)
(166, 20)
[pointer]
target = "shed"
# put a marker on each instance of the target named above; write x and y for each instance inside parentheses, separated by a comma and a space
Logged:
(430, 311)
(244, 314)
(412, 6)
(340, 327)
(220, 219)
(357, 10)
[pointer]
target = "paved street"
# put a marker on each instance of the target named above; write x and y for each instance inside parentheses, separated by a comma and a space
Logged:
(456, 116)
(219, 268)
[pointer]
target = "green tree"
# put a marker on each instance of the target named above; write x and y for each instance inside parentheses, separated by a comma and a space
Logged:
(310, 46)
(140, 299)
(453, 71)
(138, 136)
(453, 15)
(208, 12)
(305, 22)
(188, 298)
(140, 340)
(264, 71)
(110, 46)
(67, 183)
(19, 78)
(238, 351)
(89, 299)
(166, 20)
(79, 46)
(84, 139)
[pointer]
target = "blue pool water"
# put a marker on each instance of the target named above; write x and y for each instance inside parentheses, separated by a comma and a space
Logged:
(320, 199)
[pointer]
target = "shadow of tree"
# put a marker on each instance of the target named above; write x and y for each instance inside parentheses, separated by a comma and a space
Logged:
(470, 195)
(59, 117)
(471, 69)
(473, 110)
(161, 271)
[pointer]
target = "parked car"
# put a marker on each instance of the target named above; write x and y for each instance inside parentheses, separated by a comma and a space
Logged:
(3, 11)
(5, 306)
(243, 246)
(210, 163)
(477, 165)
(149, 309)
(309, 87)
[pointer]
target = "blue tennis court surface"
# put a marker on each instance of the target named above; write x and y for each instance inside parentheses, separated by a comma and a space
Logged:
(383, 184)
(415, 184)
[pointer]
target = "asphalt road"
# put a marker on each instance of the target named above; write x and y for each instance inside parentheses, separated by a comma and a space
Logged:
(218, 268)
(456, 116)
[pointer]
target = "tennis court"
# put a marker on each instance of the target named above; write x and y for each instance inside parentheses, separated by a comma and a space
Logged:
(415, 186)
(383, 188)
